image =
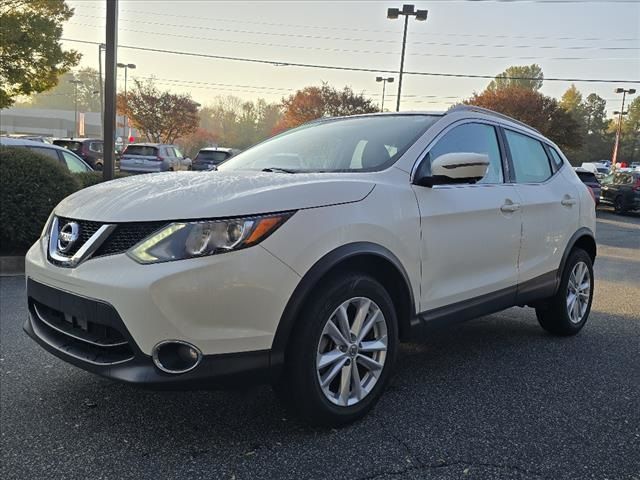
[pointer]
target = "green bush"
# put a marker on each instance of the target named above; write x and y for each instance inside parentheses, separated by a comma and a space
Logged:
(87, 179)
(31, 185)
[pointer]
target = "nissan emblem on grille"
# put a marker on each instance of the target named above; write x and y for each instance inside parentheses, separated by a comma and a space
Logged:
(68, 236)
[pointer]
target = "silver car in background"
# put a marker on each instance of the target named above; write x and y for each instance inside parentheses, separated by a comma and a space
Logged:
(153, 157)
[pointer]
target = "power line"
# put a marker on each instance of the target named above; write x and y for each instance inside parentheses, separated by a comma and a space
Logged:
(319, 37)
(372, 52)
(356, 29)
(343, 68)
(369, 52)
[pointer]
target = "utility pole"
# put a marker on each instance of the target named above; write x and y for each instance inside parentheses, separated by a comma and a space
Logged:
(384, 81)
(393, 14)
(621, 113)
(111, 56)
(101, 47)
(75, 102)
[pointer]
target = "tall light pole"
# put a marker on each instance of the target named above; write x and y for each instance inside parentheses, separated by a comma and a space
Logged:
(631, 91)
(101, 47)
(110, 77)
(384, 85)
(75, 102)
(393, 14)
(126, 66)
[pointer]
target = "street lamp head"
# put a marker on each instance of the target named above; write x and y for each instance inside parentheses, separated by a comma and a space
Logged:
(421, 15)
(408, 9)
(390, 79)
(619, 90)
(379, 79)
(393, 13)
(131, 65)
(120, 65)
(631, 91)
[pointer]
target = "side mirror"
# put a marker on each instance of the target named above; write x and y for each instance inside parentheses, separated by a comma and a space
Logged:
(458, 167)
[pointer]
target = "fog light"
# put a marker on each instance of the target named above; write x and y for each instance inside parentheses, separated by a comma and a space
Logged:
(175, 356)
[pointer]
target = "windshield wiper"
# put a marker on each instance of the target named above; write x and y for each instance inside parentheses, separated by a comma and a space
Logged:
(278, 170)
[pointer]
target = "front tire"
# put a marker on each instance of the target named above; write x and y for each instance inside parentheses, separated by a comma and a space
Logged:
(341, 352)
(567, 311)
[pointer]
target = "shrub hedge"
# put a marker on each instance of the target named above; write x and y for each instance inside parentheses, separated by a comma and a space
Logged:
(31, 185)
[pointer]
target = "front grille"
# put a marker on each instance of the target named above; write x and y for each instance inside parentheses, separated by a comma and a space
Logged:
(80, 336)
(126, 235)
(87, 229)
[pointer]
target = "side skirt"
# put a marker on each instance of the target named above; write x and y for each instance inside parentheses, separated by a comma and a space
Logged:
(531, 291)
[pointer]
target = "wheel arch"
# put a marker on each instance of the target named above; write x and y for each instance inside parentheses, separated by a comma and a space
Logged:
(365, 257)
(584, 239)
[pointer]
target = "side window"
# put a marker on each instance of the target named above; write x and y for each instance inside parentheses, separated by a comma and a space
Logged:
(170, 152)
(471, 138)
(74, 164)
(95, 147)
(47, 152)
(555, 158)
(530, 161)
(178, 152)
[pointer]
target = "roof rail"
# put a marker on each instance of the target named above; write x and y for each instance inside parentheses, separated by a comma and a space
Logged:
(473, 108)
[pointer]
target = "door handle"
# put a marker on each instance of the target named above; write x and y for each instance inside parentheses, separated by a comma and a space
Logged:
(569, 201)
(510, 207)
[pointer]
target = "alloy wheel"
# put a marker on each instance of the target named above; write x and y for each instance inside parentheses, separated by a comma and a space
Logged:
(352, 351)
(578, 292)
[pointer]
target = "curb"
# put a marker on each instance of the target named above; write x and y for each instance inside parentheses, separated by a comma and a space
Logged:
(11, 266)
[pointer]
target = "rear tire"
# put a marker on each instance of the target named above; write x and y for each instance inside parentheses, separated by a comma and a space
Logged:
(567, 311)
(334, 371)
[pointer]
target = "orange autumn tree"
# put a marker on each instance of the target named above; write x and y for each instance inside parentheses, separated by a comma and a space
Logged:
(533, 108)
(312, 103)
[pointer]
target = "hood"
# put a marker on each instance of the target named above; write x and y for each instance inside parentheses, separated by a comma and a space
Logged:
(192, 195)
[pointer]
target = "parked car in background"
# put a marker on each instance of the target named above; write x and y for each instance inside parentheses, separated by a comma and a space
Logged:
(89, 149)
(590, 180)
(153, 157)
(209, 158)
(309, 274)
(622, 190)
(67, 158)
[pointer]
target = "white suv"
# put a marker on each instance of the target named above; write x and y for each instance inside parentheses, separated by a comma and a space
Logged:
(305, 260)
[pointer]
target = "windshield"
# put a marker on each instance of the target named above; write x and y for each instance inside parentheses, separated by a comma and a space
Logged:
(349, 144)
(211, 156)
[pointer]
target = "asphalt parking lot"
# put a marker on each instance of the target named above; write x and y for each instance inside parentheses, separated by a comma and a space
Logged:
(495, 398)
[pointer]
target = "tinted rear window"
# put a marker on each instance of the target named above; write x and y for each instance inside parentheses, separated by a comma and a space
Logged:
(143, 150)
(69, 145)
(587, 177)
(212, 156)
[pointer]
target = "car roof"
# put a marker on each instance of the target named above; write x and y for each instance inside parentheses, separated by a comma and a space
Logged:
(19, 142)
(150, 144)
(216, 149)
(83, 139)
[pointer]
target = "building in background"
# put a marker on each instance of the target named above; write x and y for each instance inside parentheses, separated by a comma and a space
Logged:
(54, 123)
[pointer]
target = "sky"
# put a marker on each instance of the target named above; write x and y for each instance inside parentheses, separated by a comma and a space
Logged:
(581, 39)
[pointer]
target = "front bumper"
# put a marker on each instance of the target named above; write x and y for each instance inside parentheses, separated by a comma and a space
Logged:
(115, 354)
(222, 304)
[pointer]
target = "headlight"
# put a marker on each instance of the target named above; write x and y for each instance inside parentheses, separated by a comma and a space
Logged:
(181, 240)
